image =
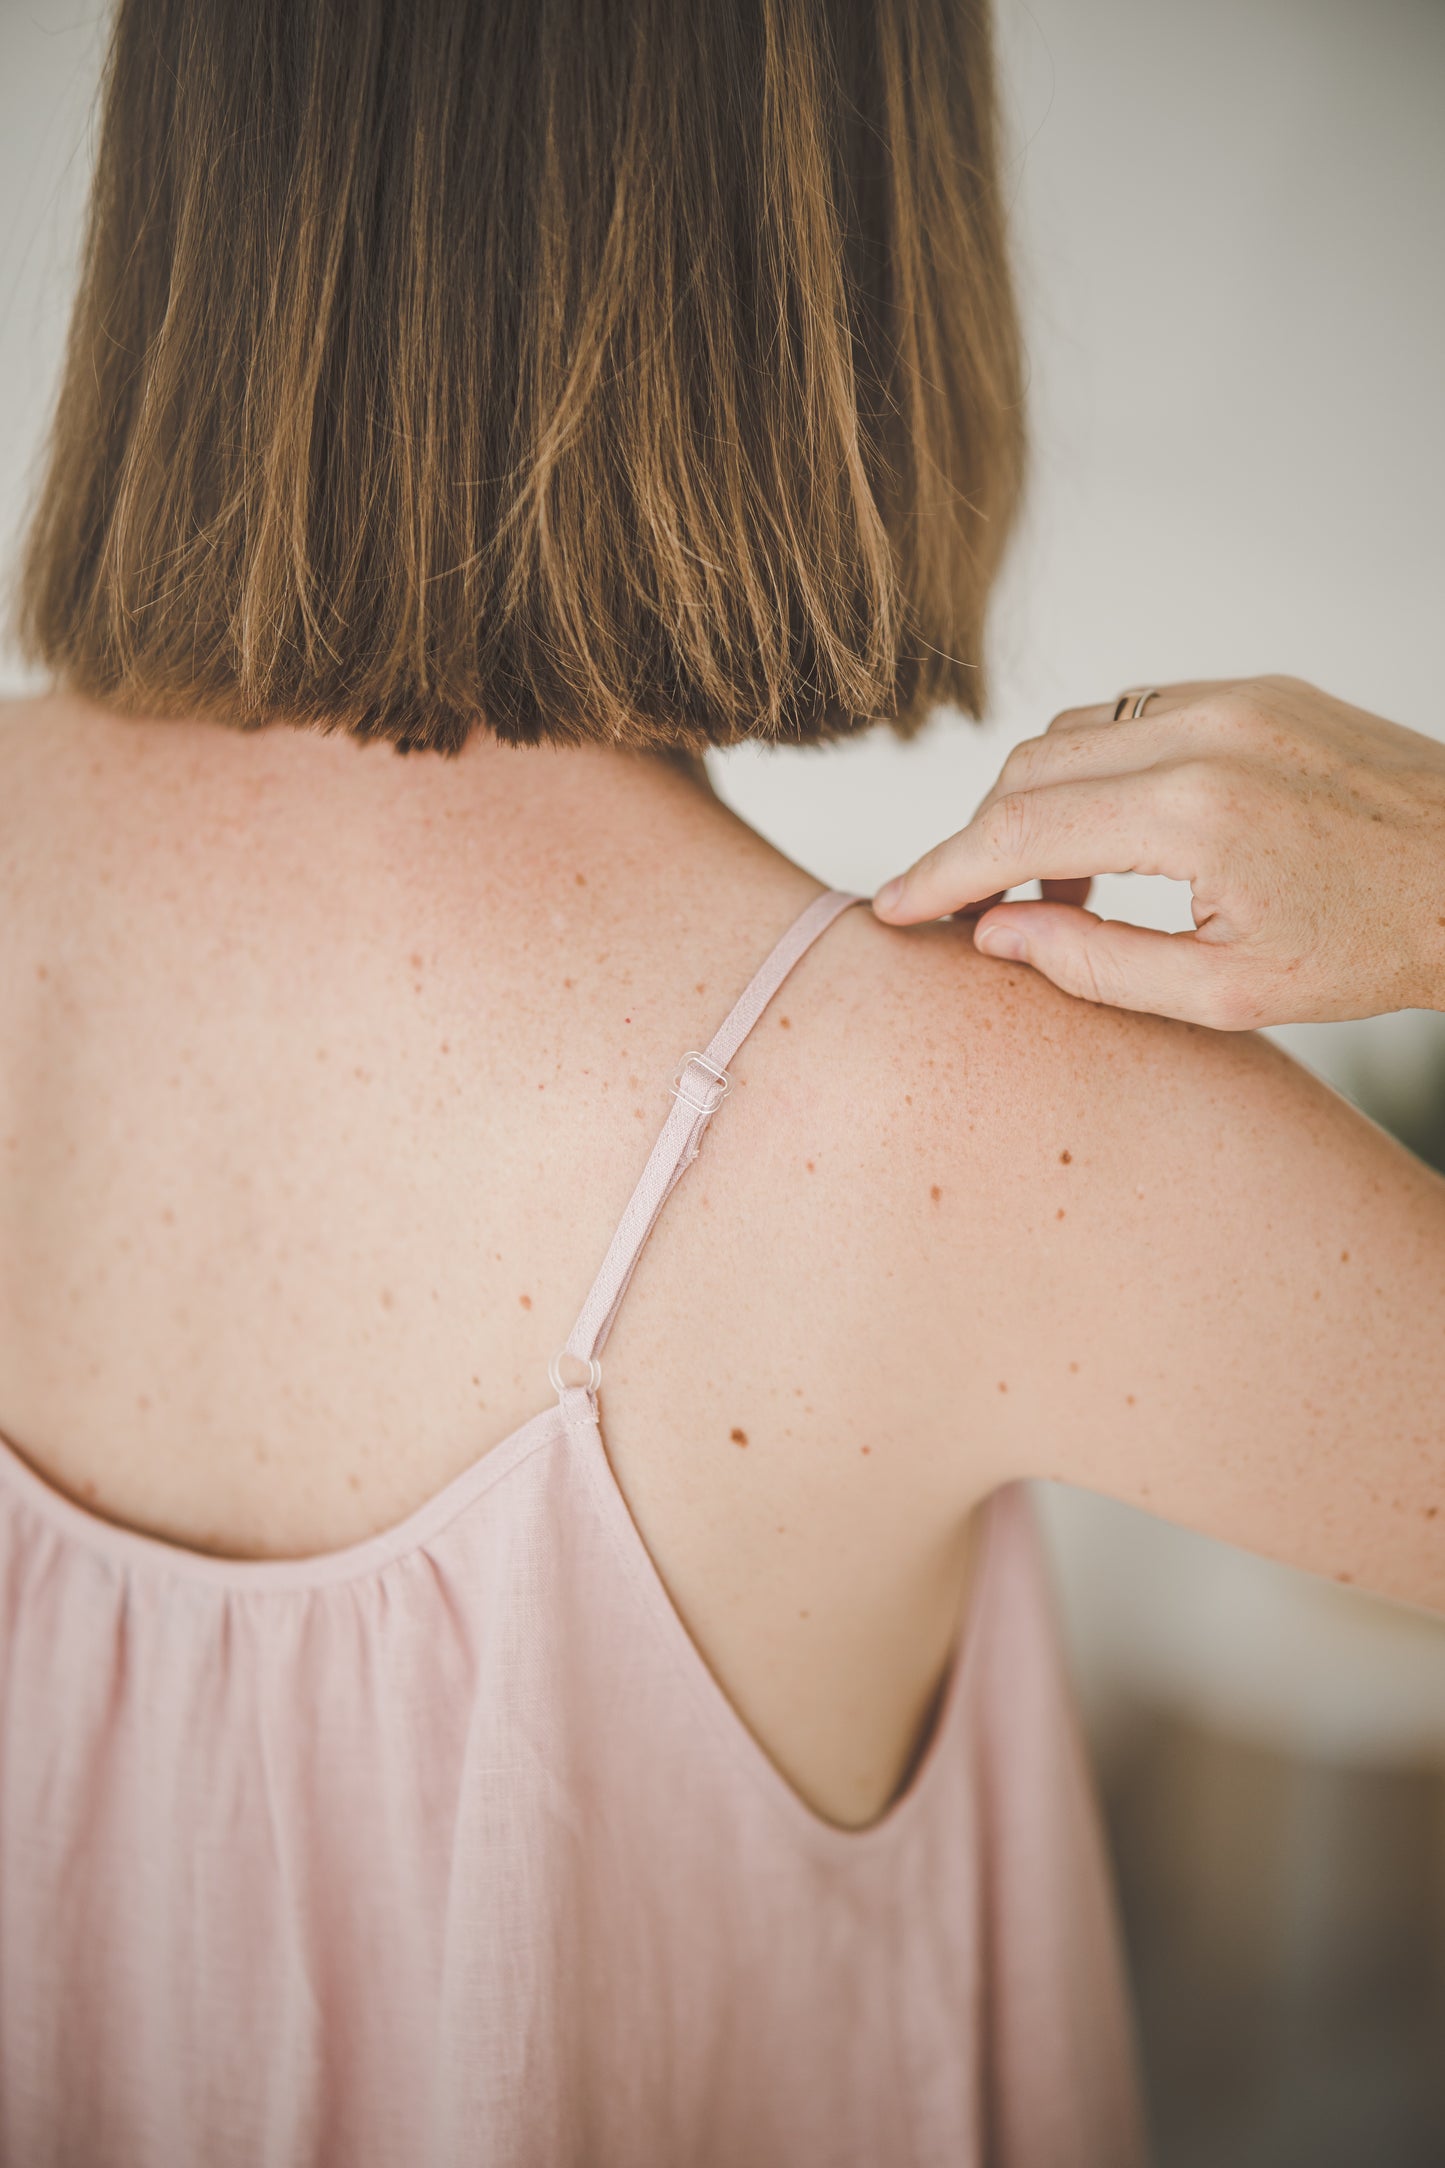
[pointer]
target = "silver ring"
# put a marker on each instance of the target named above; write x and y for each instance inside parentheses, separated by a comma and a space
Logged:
(1140, 700)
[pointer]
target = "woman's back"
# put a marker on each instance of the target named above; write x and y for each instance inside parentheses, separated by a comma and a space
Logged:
(473, 1849)
(329, 1076)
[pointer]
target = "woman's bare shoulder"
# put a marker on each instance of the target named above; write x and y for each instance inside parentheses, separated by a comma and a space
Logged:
(1161, 1261)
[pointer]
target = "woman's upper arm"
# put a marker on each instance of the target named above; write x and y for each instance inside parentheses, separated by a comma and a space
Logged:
(1237, 1306)
(1160, 1262)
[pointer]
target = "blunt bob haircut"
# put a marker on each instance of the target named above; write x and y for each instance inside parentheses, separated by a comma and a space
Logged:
(643, 371)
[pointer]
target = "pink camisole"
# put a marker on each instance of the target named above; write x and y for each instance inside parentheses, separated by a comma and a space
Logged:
(446, 1850)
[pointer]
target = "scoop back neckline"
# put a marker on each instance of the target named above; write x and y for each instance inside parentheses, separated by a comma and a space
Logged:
(141, 1549)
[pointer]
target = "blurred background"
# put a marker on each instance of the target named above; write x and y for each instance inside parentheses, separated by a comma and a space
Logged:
(1230, 219)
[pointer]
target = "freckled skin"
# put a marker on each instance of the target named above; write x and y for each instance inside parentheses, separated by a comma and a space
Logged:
(1213, 1190)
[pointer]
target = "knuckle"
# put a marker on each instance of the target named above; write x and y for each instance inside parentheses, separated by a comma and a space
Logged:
(1082, 976)
(1199, 793)
(1021, 765)
(1241, 714)
(1086, 967)
(1005, 828)
(1280, 681)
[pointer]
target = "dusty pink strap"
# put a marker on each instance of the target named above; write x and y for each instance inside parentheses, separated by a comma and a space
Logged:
(699, 1088)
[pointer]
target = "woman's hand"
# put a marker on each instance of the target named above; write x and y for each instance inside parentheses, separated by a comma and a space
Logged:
(1311, 833)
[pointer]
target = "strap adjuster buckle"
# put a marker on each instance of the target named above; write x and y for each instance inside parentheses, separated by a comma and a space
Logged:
(722, 1082)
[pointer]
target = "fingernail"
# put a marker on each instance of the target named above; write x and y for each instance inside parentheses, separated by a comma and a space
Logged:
(889, 895)
(1002, 941)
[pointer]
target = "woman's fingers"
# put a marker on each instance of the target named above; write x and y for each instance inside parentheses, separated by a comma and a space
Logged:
(1082, 754)
(1311, 833)
(1057, 832)
(1054, 892)
(1168, 974)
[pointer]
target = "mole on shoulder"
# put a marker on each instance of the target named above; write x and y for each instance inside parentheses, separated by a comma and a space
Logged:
(1066, 1158)
(739, 1437)
(526, 1301)
(935, 1193)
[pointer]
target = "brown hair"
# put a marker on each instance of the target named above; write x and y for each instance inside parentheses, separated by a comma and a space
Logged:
(644, 370)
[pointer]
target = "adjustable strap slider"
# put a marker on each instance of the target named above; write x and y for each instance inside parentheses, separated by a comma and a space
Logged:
(715, 1091)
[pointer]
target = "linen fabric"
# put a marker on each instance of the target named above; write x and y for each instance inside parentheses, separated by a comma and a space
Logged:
(446, 1850)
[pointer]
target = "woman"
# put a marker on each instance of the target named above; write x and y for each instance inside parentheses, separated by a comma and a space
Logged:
(392, 1770)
